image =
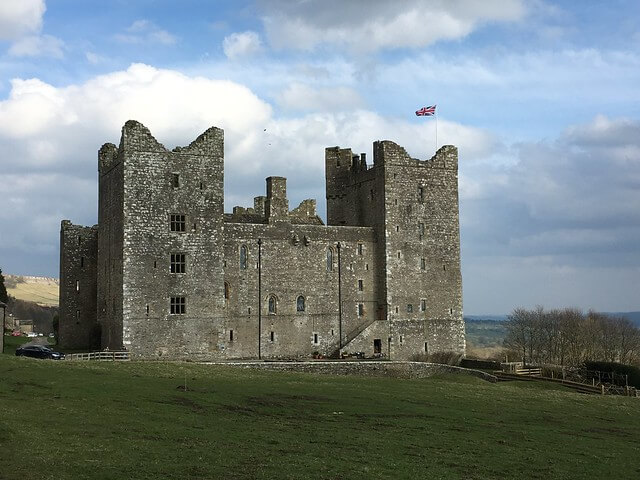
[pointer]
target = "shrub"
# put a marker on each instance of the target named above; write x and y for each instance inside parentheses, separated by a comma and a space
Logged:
(633, 373)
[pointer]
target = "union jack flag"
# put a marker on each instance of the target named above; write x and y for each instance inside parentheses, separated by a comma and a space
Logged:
(426, 111)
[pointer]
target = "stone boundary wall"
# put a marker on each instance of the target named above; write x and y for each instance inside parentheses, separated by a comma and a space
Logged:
(363, 368)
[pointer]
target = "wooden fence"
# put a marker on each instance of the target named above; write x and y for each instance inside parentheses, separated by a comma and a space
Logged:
(100, 356)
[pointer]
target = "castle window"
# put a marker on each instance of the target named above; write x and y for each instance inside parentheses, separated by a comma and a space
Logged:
(397, 228)
(372, 194)
(177, 222)
(423, 264)
(243, 257)
(398, 254)
(155, 264)
(226, 291)
(360, 249)
(451, 311)
(147, 308)
(273, 336)
(421, 229)
(201, 186)
(272, 305)
(360, 285)
(360, 309)
(409, 308)
(401, 339)
(77, 316)
(231, 335)
(329, 260)
(426, 347)
(300, 304)
(178, 306)
(81, 262)
(178, 263)
(77, 285)
(423, 305)
(176, 180)
(444, 268)
(366, 266)
(421, 194)
(315, 339)
(396, 309)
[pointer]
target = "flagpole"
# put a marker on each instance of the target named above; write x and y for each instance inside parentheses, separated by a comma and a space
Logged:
(436, 115)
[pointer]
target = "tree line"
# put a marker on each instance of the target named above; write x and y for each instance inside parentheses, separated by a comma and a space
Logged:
(570, 337)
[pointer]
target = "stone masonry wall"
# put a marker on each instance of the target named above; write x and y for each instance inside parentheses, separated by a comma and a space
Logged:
(383, 277)
(158, 183)
(78, 325)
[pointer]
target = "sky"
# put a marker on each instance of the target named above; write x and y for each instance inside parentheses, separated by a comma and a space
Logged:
(541, 98)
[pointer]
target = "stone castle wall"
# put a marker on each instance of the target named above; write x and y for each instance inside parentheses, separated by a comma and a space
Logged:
(383, 277)
(78, 324)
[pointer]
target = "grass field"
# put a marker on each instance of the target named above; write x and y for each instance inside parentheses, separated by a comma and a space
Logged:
(43, 291)
(66, 420)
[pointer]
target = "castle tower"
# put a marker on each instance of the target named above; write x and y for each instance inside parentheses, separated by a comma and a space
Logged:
(160, 215)
(413, 206)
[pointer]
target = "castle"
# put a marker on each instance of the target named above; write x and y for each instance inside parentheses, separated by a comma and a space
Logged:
(167, 274)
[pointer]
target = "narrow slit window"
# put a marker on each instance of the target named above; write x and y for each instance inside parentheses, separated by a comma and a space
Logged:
(147, 308)
(329, 260)
(360, 285)
(226, 291)
(360, 309)
(421, 194)
(421, 229)
(398, 254)
(231, 335)
(360, 249)
(315, 339)
(77, 285)
(273, 336)
(300, 304)
(423, 264)
(176, 180)
(423, 305)
(272, 305)
(243, 257)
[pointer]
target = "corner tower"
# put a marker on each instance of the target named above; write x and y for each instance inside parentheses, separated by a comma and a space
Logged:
(413, 207)
(160, 272)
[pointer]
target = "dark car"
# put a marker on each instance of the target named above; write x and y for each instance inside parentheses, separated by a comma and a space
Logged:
(39, 351)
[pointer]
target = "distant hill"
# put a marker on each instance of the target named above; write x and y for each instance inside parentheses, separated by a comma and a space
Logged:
(40, 290)
(632, 316)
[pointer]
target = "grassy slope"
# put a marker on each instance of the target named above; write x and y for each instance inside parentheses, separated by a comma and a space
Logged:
(40, 292)
(103, 420)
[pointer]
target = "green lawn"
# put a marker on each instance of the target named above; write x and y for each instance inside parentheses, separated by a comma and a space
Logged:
(66, 420)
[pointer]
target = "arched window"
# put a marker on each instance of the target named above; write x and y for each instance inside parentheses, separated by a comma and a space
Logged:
(272, 305)
(329, 260)
(300, 304)
(243, 257)
(226, 291)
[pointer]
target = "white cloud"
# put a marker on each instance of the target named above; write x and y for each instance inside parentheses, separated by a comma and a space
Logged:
(302, 97)
(238, 45)
(38, 46)
(379, 24)
(146, 32)
(49, 136)
(20, 17)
